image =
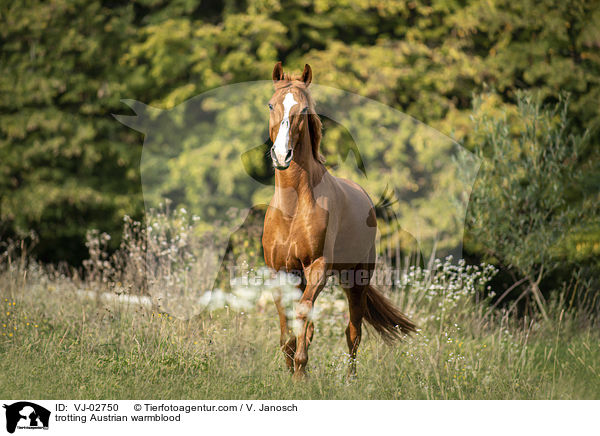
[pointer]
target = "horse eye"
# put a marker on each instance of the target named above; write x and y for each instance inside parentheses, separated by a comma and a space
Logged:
(270, 107)
(305, 110)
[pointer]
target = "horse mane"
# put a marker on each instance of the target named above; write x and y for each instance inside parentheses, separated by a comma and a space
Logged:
(315, 126)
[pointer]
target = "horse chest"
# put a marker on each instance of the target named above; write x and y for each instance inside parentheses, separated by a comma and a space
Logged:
(291, 242)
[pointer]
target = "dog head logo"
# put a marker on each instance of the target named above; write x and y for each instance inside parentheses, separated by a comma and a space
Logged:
(26, 415)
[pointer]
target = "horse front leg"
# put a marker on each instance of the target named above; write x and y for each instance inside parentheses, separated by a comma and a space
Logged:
(316, 277)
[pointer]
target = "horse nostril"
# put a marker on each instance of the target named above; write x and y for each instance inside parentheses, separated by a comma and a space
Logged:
(288, 156)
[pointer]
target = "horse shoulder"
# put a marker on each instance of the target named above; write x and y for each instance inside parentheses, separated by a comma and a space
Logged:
(275, 230)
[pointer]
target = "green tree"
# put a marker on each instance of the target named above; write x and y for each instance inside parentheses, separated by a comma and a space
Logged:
(65, 164)
(521, 210)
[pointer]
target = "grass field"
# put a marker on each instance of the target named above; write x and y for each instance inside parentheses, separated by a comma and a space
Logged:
(58, 344)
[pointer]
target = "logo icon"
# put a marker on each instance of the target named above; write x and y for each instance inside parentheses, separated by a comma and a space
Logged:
(26, 415)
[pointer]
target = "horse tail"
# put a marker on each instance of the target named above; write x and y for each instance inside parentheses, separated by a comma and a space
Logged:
(386, 318)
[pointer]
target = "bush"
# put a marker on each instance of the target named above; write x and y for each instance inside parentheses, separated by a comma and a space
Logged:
(522, 207)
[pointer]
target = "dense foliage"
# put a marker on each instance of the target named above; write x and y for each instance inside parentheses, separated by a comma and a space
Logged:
(66, 165)
(529, 203)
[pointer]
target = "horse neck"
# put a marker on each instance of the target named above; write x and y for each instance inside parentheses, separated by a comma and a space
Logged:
(295, 185)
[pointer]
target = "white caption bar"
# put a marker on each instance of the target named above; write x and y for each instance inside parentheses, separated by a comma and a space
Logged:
(304, 418)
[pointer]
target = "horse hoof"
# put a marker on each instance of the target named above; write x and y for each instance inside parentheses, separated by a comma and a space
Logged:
(299, 376)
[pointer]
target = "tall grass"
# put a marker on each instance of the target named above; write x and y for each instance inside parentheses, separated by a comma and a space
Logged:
(63, 338)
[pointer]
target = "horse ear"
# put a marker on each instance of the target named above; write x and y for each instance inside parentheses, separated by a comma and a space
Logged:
(307, 75)
(277, 72)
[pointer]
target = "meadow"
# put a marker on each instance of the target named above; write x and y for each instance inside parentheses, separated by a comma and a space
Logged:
(515, 84)
(63, 339)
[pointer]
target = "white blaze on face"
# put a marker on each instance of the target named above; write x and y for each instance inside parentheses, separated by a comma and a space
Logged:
(283, 136)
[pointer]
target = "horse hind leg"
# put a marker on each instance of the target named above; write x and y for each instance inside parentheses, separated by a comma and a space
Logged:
(357, 305)
(287, 340)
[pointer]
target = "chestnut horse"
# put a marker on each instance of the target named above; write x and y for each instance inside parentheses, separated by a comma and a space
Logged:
(317, 225)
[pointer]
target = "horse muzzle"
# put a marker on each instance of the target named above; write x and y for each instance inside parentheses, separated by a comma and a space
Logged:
(286, 160)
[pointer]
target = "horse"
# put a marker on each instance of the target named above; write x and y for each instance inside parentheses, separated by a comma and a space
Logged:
(318, 225)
